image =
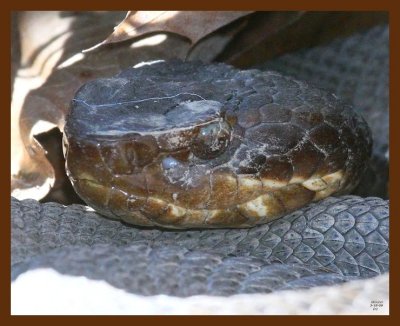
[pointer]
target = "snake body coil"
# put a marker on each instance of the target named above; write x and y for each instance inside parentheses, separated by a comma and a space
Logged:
(329, 242)
(187, 145)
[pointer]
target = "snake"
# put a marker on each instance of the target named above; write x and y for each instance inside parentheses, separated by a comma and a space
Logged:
(185, 145)
(272, 229)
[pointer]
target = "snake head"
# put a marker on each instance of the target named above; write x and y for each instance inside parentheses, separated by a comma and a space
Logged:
(195, 145)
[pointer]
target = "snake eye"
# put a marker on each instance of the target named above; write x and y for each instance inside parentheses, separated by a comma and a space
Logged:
(211, 140)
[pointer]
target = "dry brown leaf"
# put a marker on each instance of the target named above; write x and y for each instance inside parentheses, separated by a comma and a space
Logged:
(193, 25)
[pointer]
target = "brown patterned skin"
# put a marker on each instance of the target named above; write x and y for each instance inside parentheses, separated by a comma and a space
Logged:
(189, 145)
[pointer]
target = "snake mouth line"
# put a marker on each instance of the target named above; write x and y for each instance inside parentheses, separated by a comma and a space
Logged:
(276, 201)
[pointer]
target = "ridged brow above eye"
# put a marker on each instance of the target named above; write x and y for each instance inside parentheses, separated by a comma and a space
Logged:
(211, 140)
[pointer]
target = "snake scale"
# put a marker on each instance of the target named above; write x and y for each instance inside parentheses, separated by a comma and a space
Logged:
(326, 242)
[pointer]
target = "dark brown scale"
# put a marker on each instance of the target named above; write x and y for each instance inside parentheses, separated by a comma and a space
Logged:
(136, 217)
(133, 184)
(277, 168)
(135, 203)
(90, 168)
(182, 156)
(305, 159)
(226, 217)
(334, 161)
(156, 211)
(257, 161)
(118, 202)
(146, 149)
(128, 149)
(251, 162)
(334, 119)
(165, 145)
(294, 195)
(306, 118)
(186, 145)
(193, 192)
(278, 138)
(347, 137)
(325, 137)
(96, 195)
(113, 154)
(223, 189)
(156, 181)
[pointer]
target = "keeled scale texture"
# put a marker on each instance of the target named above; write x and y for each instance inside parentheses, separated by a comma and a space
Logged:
(332, 241)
